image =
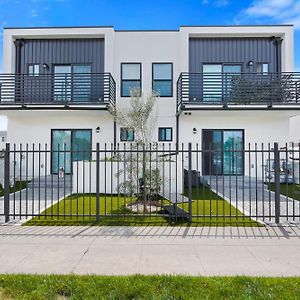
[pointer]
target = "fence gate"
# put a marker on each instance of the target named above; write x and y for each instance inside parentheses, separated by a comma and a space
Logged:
(151, 184)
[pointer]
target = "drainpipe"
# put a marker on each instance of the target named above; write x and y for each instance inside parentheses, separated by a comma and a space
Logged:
(278, 42)
(177, 132)
(18, 60)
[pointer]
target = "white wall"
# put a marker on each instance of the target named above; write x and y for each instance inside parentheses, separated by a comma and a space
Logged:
(295, 129)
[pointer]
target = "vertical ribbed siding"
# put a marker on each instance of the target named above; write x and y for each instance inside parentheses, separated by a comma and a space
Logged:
(63, 51)
(231, 50)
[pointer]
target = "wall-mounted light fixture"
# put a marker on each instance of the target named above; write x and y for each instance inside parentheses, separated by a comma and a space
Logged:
(194, 130)
(45, 66)
(97, 129)
(250, 63)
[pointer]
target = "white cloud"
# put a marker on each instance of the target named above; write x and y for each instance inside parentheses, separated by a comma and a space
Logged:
(272, 11)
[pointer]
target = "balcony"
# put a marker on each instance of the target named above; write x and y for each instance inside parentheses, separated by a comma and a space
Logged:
(57, 91)
(196, 91)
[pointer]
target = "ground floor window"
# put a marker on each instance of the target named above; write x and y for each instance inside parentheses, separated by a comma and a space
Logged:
(126, 134)
(223, 151)
(165, 134)
(69, 145)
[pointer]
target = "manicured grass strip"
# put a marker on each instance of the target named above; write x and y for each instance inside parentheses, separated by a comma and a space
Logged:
(19, 185)
(290, 190)
(146, 287)
(205, 203)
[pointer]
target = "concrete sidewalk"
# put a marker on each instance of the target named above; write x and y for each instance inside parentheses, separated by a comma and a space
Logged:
(268, 251)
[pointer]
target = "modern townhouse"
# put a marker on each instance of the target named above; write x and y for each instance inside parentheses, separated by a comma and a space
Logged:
(222, 87)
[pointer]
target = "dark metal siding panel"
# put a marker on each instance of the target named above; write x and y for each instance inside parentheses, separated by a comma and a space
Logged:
(231, 50)
(63, 51)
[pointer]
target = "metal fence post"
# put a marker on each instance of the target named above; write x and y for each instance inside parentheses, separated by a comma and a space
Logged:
(6, 182)
(97, 180)
(190, 181)
(277, 182)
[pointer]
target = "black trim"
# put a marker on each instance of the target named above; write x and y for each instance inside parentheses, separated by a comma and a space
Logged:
(140, 80)
(71, 130)
(164, 128)
(163, 80)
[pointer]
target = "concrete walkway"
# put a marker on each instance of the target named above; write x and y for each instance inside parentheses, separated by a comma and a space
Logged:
(266, 251)
(40, 194)
(253, 198)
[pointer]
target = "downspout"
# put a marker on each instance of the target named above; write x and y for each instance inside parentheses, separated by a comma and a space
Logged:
(278, 42)
(18, 60)
(18, 70)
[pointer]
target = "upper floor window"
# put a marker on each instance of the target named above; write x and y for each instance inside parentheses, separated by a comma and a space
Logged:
(34, 70)
(126, 134)
(262, 68)
(130, 78)
(162, 79)
(165, 134)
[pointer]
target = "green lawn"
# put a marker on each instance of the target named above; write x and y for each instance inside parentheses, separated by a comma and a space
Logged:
(290, 190)
(19, 185)
(146, 287)
(205, 203)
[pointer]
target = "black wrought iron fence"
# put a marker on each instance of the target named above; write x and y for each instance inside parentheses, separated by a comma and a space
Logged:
(157, 183)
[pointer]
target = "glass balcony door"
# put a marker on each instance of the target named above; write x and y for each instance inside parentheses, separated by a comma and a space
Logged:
(217, 80)
(72, 83)
(62, 83)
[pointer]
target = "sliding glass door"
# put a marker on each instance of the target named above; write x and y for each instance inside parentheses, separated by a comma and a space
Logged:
(73, 83)
(68, 146)
(223, 152)
(217, 80)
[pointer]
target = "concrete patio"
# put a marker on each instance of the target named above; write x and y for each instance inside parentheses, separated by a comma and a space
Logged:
(40, 194)
(253, 198)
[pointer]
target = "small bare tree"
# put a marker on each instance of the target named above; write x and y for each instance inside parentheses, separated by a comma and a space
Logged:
(138, 176)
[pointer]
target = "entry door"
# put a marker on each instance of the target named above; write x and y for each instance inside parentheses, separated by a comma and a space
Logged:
(62, 83)
(61, 151)
(223, 152)
(69, 146)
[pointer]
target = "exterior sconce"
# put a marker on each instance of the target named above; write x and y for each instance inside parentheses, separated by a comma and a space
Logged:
(97, 129)
(194, 130)
(250, 63)
(45, 66)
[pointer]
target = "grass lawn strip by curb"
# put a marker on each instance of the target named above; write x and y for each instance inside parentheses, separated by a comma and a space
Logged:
(146, 287)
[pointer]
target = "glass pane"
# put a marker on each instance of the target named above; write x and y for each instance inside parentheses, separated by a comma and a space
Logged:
(265, 68)
(232, 69)
(126, 135)
(217, 147)
(62, 83)
(233, 161)
(162, 71)
(262, 68)
(82, 144)
(131, 72)
(168, 134)
(212, 83)
(82, 82)
(61, 151)
(163, 88)
(127, 86)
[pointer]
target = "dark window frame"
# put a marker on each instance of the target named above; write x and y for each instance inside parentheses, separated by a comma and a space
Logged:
(261, 64)
(163, 80)
(33, 74)
(164, 128)
(128, 80)
(126, 128)
(69, 129)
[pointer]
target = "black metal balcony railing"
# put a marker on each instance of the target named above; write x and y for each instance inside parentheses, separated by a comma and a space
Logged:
(80, 89)
(228, 89)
